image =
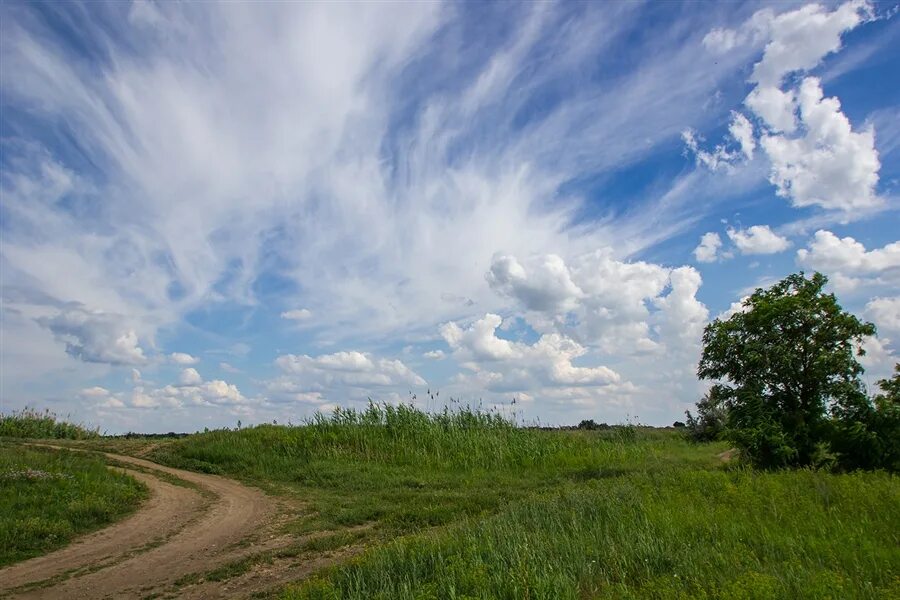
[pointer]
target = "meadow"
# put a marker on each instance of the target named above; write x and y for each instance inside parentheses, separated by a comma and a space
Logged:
(465, 504)
(47, 497)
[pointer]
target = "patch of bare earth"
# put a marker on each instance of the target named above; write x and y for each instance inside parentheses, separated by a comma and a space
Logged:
(193, 523)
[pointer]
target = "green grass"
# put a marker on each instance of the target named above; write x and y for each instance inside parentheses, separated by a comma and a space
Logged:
(466, 505)
(47, 497)
(668, 534)
(402, 470)
(32, 424)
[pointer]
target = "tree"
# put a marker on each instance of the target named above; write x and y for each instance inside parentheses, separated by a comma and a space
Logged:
(782, 361)
(867, 433)
(709, 424)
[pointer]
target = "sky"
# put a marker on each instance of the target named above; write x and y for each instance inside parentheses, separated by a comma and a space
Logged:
(223, 212)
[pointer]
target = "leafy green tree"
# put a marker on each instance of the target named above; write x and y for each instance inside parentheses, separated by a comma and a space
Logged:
(781, 362)
(867, 433)
(709, 424)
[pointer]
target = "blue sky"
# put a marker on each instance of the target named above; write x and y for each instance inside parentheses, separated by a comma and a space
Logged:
(215, 212)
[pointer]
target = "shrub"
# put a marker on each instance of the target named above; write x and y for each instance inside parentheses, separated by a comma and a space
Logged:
(709, 424)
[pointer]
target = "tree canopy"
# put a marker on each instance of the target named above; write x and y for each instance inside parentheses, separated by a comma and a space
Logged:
(781, 363)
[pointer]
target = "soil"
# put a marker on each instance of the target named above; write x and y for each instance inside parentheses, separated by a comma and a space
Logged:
(192, 524)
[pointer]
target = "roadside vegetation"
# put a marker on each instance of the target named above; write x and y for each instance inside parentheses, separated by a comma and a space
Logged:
(397, 469)
(32, 424)
(47, 497)
(677, 533)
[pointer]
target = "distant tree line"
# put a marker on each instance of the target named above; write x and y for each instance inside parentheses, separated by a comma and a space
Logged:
(788, 389)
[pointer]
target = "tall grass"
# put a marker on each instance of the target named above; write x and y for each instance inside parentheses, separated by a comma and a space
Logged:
(404, 436)
(33, 424)
(664, 534)
(402, 469)
(47, 497)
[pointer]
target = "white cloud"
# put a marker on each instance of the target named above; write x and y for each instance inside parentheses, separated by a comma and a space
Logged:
(500, 364)
(885, 313)
(775, 107)
(848, 264)
(799, 39)
(758, 239)
(190, 392)
(341, 376)
(298, 314)
(607, 306)
(682, 316)
(708, 248)
(94, 392)
(879, 359)
(434, 354)
(95, 336)
(724, 156)
(816, 158)
(189, 376)
(830, 165)
(180, 358)
(228, 368)
(741, 130)
(545, 286)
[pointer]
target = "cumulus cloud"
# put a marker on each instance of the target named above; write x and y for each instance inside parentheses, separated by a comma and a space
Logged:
(607, 305)
(101, 397)
(758, 239)
(816, 157)
(189, 376)
(342, 376)
(799, 39)
(180, 358)
(708, 248)
(830, 165)
(189, 391)
(682, 316)
(848, 264)
(885, 313)
(298, 314)
(501, 364)
(434, 354)
(94, 336)
(545, 286)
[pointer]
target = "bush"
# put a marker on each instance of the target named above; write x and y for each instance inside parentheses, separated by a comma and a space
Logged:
(709, 424)
(590, 425)
(866, 434)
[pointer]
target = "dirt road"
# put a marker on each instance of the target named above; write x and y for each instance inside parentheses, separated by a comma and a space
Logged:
(191, 524)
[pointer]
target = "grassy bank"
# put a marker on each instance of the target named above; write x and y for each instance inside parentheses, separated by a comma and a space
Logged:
(399, 470)
(669, 534)
(32, 424)
(47, 497)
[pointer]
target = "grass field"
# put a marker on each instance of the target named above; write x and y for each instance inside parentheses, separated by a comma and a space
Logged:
(47, 497)
(466, 505)
(400, 470)
(667, 534)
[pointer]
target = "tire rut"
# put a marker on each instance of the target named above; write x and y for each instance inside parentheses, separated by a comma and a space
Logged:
(175, 533)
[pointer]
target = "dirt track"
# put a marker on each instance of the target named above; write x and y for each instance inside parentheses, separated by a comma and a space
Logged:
(181, 530)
